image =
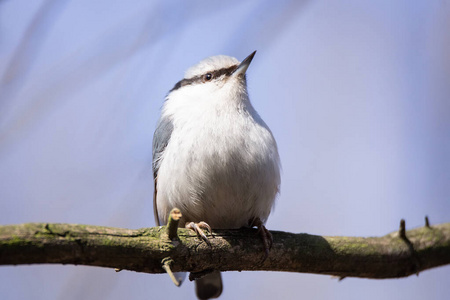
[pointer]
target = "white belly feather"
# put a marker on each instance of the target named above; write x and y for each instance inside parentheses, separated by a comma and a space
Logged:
(221, 169)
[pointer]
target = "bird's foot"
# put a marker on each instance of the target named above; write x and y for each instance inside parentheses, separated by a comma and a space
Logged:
(197, 227)
(265, 235)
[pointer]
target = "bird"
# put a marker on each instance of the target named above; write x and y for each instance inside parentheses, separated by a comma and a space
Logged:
(214, 158)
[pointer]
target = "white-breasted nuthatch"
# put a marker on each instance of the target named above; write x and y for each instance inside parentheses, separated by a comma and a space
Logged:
(214, 158)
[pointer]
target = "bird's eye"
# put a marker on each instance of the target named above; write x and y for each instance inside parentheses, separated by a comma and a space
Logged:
(208, 76)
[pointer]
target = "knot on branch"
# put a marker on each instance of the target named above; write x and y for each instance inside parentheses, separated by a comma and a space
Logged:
(166, 263)
(172, 225)
(414, 256)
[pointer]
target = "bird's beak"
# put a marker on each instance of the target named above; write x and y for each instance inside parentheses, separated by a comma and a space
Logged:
(243, 66)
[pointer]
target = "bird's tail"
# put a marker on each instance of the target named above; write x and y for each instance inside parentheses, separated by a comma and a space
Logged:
(209, 286)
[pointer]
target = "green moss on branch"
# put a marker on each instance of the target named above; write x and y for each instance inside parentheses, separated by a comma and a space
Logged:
(142, 250)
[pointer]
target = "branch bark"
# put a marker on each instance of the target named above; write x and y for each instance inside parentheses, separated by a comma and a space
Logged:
(143, 250)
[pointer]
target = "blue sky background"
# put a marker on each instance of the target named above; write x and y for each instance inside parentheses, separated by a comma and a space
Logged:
(355, 92)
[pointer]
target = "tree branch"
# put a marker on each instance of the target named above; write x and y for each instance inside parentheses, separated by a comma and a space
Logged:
(143, 250)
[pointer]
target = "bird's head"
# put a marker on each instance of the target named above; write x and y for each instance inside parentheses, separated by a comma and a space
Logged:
(217, 77)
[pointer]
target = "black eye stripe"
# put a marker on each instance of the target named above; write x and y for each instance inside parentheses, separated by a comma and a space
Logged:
(200, 78)
(224, 71)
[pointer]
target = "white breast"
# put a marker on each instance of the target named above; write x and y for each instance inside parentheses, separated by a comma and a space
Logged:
(221, 164)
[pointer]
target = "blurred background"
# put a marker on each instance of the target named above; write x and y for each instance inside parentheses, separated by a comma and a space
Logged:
(355, 92)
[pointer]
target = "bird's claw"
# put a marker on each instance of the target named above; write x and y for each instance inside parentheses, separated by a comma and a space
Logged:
(267, 239)
(197, 227)
(265, 235)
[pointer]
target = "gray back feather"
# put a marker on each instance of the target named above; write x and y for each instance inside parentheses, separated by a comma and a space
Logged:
(161, 138)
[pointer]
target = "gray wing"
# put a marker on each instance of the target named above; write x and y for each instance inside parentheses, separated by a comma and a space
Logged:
(161, 138)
